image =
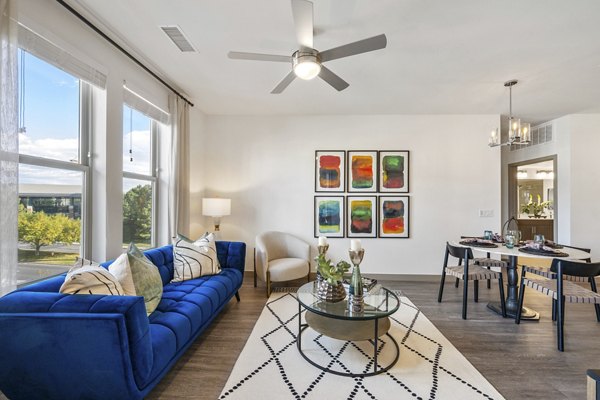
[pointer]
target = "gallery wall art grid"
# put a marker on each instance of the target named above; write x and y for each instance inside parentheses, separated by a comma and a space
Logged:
(351, 173)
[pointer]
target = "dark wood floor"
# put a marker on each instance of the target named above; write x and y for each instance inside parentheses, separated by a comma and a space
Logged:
(521, 361)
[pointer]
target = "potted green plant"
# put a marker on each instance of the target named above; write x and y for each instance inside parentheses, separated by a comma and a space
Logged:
(330, 287)
(535, 210)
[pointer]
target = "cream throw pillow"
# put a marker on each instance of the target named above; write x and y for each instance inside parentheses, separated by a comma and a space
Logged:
(87, 277)
(139, 277)
(193, 259)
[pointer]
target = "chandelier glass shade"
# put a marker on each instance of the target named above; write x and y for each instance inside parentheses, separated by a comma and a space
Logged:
(518, 132)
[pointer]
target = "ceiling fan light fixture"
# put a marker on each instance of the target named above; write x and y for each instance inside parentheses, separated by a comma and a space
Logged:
(306, 65)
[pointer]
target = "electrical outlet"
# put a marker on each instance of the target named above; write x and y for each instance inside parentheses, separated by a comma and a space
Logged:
(486, 213)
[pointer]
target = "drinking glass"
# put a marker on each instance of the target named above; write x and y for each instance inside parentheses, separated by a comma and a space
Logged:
(539, 239)
(487, 235)
(509, 240)
(516, 234)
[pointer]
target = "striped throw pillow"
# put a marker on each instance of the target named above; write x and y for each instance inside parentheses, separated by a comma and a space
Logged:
(192, 259)
(87, 277)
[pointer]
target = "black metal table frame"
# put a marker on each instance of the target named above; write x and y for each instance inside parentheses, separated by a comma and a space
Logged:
(376, 371)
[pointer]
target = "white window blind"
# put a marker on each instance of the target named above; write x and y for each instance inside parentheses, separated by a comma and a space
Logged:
(134, 100)
(49, 52)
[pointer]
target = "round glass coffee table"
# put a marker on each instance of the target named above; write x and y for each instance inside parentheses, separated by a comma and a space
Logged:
(335, 321)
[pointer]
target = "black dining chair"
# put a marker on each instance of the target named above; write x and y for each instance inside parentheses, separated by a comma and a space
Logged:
(467, 271)
(487, 262)
(547, 273)
(562, 290)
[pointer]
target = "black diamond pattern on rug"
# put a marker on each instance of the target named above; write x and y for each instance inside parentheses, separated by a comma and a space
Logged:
(429, 366)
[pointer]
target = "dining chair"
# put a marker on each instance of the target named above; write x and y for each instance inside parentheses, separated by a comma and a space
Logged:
(467, 271)
(487, 262)
(546, 272)
(562, 290)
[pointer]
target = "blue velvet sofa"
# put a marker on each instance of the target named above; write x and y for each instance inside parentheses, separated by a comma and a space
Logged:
(57, 346)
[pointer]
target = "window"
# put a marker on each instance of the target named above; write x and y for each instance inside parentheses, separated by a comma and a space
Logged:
(53, 167)
(139, 178)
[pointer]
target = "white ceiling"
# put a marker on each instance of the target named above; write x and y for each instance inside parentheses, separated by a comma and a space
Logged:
(443, 57)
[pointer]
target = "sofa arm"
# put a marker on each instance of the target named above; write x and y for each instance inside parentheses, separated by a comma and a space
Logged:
(67, 339)
(232, 255)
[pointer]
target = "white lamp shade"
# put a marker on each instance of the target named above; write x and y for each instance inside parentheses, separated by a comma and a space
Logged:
(215, 207)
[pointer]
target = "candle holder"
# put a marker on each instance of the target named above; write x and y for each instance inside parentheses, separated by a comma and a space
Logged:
(356, 303)
(323, 249)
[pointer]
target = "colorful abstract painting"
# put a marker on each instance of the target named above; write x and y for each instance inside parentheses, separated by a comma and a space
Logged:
(329, 171)
(362, 216)
(362, 171)
(393, 171)
(393, 211)
(329, 216)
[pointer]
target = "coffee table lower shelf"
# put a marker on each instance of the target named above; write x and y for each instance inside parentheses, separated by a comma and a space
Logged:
(337, 329)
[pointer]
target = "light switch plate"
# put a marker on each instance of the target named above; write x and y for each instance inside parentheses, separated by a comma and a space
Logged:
(486, 213)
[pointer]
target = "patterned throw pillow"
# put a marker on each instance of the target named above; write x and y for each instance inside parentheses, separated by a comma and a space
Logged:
(192, 259)
(134, 267)
(86, 277)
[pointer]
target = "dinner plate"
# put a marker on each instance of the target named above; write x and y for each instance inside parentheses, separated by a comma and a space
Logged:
(542, 252)
(476, 244)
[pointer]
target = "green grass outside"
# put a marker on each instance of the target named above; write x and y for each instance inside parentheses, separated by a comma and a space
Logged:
(47, 257)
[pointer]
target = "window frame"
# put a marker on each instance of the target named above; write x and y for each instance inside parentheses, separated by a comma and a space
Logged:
(84, 163)
(152, 178)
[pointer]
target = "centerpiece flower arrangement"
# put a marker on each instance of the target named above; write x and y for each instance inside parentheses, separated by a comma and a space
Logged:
(535, 210)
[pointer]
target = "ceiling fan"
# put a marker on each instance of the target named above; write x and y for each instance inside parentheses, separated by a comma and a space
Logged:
(307, 63)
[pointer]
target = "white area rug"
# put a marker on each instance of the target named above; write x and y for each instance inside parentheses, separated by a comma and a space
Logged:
(429, 367)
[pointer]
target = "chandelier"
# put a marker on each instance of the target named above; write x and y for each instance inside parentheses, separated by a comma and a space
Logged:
(518, 132)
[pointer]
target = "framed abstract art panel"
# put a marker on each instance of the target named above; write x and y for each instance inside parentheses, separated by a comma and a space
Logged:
(330, 170)
(329, 216)
(394, 216)
(394, 171)
(362, 170)
(361, 216)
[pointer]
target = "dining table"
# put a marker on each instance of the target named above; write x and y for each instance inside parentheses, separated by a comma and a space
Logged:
(512, 292)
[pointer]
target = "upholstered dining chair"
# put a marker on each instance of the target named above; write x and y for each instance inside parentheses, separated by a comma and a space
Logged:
(466, 270)
(562, 290)
(280, 257)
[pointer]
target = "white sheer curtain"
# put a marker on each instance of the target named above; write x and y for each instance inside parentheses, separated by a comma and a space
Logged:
(9, 142)
(179, 190)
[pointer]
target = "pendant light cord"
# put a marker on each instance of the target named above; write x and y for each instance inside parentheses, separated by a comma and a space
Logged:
(130, 134)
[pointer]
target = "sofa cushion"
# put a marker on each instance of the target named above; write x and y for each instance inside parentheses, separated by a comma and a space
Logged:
(186, 306)
(122, 271)
(86, 277)
(192, 259)
(138, 277)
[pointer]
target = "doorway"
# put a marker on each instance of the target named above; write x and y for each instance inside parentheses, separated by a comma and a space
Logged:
(532, 195)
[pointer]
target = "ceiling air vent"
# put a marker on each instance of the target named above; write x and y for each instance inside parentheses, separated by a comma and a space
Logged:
(176, 35)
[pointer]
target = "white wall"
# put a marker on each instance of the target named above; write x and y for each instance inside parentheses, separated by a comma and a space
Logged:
(266, 165)
(585, 181)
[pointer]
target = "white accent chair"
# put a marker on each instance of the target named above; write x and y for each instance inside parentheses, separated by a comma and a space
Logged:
(280, 257)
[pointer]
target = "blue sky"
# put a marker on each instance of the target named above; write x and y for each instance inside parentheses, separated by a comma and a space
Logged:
(51, 113)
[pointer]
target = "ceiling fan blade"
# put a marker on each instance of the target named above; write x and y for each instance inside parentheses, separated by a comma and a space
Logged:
(303, 22)
(284, 83)
(350, 49)
(238, 55)
(328, 76)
